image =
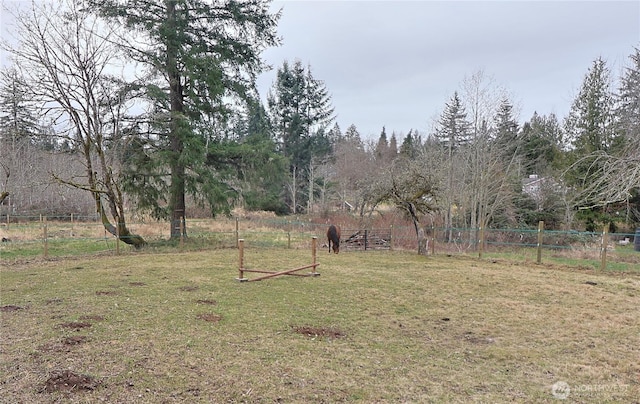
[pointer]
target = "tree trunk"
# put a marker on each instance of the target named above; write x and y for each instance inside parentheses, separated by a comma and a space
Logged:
(3, 196)
(420, 234)
(122, 232)
(177, 188)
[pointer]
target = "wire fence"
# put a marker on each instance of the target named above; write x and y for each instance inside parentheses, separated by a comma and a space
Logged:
(25, 237)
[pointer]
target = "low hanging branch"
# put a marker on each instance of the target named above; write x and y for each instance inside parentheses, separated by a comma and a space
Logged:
(3, 196)
(121, 231)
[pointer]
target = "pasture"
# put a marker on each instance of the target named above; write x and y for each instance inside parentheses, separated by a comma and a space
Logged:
(374, 327)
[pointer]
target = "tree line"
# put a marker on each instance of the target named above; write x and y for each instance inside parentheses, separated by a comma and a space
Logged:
(152, 107)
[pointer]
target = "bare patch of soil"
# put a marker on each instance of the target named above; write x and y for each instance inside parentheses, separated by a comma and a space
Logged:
(10, 307)
(68, 381)
(106, 293)
(55, 300)
(76, 325)
(210, 317)
(318, 331)
(209, 302)
(188, 288)
(75, 340)
(478, 340)
(137, 283)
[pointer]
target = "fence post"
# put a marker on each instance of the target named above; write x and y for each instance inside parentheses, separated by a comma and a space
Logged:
(72, 225)
(241, 277)
(45, 236)
(237, 233)
(314, 244)
(539, 247)
(391, 238)
(603, 250)
(289, 234)
(366, 241)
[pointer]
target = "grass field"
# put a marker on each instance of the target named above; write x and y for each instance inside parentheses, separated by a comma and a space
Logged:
(374, 327)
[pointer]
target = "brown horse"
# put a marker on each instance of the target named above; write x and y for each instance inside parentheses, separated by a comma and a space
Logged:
(333, 235)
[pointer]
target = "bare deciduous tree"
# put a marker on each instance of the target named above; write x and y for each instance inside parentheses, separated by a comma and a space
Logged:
(66, 56)
(414, 187)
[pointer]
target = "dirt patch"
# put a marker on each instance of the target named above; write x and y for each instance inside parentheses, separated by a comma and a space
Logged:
(137, 284)
(75, 340)
(106, 293)
(68, 381)
(55, 300)
(477, 340)
(188, 288)
(76, 325)
(210, 317)
(209, 302)
(10, 307)
(315, 332)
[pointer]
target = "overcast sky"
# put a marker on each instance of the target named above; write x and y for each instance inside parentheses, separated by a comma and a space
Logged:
(396, 63)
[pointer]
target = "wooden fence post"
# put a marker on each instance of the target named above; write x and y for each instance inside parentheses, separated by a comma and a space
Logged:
(314, 244)
(366, 241)
(603, 250)
(289, 234)
(237, 233)
(539, 246)
(391, 238)
(241, 277)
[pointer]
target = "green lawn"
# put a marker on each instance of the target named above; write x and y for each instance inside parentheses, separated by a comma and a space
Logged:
(374, 327)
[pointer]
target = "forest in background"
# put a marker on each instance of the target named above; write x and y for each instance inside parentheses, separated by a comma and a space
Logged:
(152, 110)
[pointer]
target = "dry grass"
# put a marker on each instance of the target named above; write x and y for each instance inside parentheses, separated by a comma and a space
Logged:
(374, 327)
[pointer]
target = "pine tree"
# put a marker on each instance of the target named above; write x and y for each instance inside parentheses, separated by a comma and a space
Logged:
(453, 130)
(202, 55)
(18, 124)
(541, 139)
(393, 146)
(382, 147)
(410, 145)
(589, 125)
(301, 111)
(628, 101)
(590, 130)
(506, 129)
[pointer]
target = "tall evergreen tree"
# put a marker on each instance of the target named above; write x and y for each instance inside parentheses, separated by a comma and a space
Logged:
(410, 145)
(393, 146)
(453, 130)
(18, 122)
(628, 100)
(589, 125)
(200, 55)
(506, 129)
(590, 130)
(301, 112)
(382, 147)
(452, 133)
(541, 143)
